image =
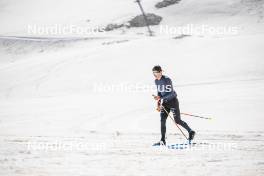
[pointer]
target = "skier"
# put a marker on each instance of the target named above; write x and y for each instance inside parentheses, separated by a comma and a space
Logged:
(167, 97)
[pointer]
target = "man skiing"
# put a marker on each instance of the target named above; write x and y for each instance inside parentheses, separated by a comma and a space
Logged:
(167, 97)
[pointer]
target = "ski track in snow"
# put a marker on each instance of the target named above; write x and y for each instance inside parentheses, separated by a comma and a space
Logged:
(132, 154)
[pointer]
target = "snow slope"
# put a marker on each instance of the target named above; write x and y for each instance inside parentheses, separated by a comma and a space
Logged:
(211, 75)
(47, 90)
(16, 16)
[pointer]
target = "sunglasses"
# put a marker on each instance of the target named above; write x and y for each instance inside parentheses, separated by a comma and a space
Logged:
(156, 72)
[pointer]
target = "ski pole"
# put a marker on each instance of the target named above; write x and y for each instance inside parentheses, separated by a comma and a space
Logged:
(201, 117)
(174, 122)
(192, 115)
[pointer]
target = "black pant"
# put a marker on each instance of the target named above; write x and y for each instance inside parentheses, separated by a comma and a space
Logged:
(172, 105)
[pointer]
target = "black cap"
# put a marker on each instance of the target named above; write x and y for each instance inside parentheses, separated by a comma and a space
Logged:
(157, 68)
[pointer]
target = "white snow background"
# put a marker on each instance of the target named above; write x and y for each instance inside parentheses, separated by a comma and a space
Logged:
(48, 97)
